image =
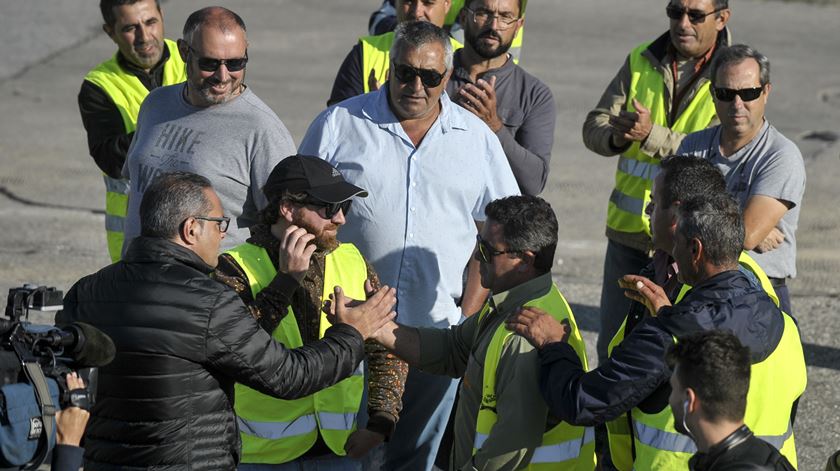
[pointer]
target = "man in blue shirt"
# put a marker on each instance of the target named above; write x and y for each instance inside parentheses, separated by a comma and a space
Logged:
(430, 168)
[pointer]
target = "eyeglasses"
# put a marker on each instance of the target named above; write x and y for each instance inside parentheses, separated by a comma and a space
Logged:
(694, 16)
(486, 251)
(211, 65)
(406, 74)
(746, 94)
(223, 221)
(483, 17)
(328, 210)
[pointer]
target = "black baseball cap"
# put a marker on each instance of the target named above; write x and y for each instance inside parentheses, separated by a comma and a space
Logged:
(310, 175)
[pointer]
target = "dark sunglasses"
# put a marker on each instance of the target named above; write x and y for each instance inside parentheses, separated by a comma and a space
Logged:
(223, 221)
(486, 251)
(328, 210)
(746, 94)
(211, 65)
(406, 74)
(694, 16)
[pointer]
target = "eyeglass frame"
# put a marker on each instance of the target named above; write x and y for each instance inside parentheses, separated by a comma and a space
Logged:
(483, 244)
(218, 62)
(223, 222)
(504, 25)
(739, 92)
(438, 77)
(693, 15)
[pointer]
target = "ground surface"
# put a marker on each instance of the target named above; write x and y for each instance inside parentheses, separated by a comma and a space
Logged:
(51, 194)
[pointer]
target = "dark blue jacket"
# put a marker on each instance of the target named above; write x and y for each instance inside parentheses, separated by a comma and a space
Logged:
(636, 374)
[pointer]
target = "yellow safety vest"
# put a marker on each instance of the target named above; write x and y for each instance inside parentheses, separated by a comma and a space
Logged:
(277, 431)
(515, 47)
(376, 54)
(565, 446)
(658, 446)
(127, 93)
(636, 170)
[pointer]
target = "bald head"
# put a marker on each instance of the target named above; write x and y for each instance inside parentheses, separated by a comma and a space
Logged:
(219, 18)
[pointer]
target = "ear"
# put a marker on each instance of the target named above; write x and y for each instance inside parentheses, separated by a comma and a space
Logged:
(767, 89)
(109, 30)
(697, 253)
(287, 210)
(691, 397)
(183, 49)
(722, 19)
(448, 4)
(527, 260)
(190, 230)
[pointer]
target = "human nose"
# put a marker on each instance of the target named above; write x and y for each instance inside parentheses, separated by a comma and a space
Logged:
(417, 10)
(338, 217)
(222, 73)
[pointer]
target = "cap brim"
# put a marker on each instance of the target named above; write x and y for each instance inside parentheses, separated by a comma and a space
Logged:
(337, 192)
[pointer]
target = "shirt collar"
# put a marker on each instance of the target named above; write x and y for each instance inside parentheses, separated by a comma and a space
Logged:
(379, 111)
(127, 65)
(515, 297)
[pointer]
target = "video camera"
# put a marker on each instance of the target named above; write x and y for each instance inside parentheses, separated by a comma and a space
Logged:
(34, 360)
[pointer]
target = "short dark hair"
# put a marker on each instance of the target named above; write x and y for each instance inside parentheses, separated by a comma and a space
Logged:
(721, 4)
(414, 34)
(528, 223)
(687, 177)
(716, 366)
(219, 17)
(170, 200)
(735, 54)
(107, 9)
(716, 221)
(520, 3)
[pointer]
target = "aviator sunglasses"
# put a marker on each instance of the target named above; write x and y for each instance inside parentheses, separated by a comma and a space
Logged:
(328, 210)
(406, 74)
(211, 65)
(746, 94)
(694, 16)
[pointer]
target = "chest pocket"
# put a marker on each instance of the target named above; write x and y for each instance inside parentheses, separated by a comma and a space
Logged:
(511, 117)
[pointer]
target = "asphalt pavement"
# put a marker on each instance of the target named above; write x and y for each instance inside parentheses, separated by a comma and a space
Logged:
(51, 193)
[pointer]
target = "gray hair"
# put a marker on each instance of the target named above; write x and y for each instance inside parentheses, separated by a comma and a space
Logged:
(715, 220)
(170, 200)
(413, 34)
(220, 17)
(528, 223)
(737, 53)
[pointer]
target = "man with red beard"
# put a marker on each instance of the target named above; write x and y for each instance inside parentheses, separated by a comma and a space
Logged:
(516, 106)
(213, 125)
(284, 273)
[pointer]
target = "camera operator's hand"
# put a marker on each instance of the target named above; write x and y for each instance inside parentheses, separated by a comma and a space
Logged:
(71, 422)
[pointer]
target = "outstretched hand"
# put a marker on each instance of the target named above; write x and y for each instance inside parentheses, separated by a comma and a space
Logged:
(631, 126)
(539, 327)
(365, 316)
(641, 289)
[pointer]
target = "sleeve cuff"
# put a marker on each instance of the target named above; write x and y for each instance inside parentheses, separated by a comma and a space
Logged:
(284, 286)
(382, 422)
(655, 141)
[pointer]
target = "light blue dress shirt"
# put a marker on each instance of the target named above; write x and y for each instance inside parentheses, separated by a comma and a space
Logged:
(417, 226)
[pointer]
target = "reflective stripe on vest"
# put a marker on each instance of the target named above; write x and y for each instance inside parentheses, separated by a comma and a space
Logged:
(778, 441)
(276, 430)
(663, 440)
(636, 170)
(127, 93)
(564, 446)
(376, 55)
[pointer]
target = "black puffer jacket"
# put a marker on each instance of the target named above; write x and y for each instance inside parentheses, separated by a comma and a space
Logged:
(740, 451)
(183, 339)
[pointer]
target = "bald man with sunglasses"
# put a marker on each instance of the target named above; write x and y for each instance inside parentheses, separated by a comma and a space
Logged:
(764, 170)
(213, 125)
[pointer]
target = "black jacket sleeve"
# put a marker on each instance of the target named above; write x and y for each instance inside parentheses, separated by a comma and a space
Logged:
(348, 82)
(633, 372)
(238, 347)
(107, 140)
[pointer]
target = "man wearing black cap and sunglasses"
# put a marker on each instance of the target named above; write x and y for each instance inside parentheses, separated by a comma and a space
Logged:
(213, 125)
(284, 273)
(764, 170)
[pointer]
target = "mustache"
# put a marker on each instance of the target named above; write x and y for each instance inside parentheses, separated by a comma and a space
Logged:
(490, 34)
